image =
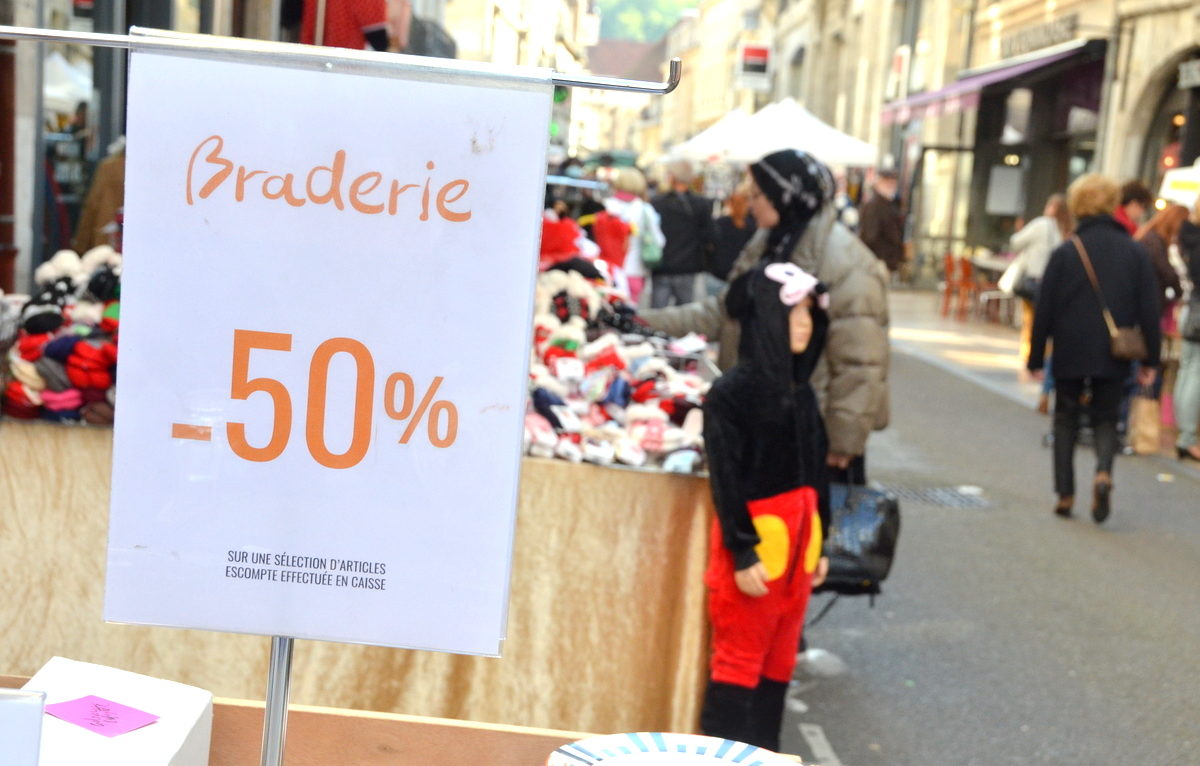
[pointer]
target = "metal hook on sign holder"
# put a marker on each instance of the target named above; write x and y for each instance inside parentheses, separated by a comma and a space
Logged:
(164, 41)
(329, 59)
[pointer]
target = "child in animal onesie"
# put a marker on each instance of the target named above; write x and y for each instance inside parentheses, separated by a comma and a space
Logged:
(766, 447)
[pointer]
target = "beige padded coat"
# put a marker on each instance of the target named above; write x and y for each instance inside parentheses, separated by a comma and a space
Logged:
(851, 378)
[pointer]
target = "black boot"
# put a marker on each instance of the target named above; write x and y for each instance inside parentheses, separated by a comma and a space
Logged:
(766, 713)
(726, 711)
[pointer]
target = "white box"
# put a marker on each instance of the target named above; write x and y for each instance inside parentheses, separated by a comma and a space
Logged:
(180, 736)
(20, 726)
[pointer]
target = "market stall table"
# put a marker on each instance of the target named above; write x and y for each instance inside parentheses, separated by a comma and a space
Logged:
(606, 627)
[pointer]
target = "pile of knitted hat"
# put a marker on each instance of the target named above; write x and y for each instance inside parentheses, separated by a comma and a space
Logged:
(616, 399)
(62, 366)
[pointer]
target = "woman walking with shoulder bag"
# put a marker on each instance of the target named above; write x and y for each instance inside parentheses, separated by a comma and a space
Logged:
(1097, 292)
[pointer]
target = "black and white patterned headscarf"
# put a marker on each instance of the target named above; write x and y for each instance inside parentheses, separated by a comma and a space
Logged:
(797, 185)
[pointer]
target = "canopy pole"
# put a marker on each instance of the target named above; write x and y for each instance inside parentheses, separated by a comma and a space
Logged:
(166, 41)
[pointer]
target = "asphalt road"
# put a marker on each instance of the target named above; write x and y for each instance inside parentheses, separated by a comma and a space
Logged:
(1006, 635)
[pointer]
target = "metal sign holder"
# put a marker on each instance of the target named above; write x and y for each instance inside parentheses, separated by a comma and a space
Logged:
(162, 41)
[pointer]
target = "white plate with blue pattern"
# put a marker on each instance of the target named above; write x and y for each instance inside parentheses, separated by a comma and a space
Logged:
(663, 749)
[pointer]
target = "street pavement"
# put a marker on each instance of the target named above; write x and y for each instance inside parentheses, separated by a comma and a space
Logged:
(1005, 635)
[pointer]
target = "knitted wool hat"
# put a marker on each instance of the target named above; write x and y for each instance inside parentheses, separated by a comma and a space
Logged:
(98, 413)
(27, 373)
(41, 318)
(104, 285)
(53, 372)
(71, 399)
(59, 416)
(31, 347)
(60, 348)
(111, 317)
(20, 410)
(91, 395)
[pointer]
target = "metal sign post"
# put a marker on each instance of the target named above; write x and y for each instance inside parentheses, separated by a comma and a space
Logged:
(312, 57)
(279, 680)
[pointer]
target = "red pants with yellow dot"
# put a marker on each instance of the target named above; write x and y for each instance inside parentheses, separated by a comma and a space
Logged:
(753, 637)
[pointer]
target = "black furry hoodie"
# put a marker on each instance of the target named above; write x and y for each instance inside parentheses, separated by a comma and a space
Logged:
(763, 431)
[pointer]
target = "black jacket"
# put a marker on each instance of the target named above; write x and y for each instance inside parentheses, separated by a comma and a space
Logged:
(687, 224)
(728, 245)
(763, 431)
(881, 228)
(1069, 311)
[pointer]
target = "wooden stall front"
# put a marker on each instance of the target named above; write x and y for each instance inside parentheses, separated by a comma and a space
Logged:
(606, 627)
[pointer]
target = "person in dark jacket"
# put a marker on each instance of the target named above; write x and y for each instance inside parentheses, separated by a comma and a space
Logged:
(687, 223)
(880, 222)
(766, 448)
(733, 231)
(1187, 380)
(1069, 312)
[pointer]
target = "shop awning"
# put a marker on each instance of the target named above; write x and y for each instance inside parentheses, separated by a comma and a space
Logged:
(964, 92)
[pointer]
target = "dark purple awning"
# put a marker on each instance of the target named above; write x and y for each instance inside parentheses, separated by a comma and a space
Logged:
(964, 93)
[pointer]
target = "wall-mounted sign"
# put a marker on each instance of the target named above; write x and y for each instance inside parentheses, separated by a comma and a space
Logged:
(754, 66)
(1040, 36)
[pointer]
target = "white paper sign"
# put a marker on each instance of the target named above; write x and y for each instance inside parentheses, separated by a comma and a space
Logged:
(324, 347)
(21, 726)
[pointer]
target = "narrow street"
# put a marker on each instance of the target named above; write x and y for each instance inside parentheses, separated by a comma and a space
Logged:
(1005, 635)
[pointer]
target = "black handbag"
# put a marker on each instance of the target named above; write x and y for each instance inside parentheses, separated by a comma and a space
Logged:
(865, 524)
(1027, 288)
(1190, 329)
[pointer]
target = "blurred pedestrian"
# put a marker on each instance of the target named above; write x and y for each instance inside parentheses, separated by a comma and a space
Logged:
(628, 204)
(1187, 380)
(687, 223)
(1032, 245)
(733, 230)
(1158, 235)
(351, 24)
(880, 222)
(791, 198)
(1135, 201)
(1071, 312)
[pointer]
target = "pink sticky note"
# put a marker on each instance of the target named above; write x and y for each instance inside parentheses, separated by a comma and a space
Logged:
(101, 716)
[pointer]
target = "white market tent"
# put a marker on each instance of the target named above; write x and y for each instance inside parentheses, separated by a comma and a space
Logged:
(787, 125)
(713, 142)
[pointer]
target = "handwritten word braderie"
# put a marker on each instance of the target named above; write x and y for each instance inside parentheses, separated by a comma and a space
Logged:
(322, 185)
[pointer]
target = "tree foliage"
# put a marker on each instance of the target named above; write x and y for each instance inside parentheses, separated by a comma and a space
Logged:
(642, 20)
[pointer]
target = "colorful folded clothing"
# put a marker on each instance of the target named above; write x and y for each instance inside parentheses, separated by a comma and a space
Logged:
(60, 401)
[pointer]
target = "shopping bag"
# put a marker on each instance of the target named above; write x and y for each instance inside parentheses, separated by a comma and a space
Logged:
(864, 527)
(1145, 423)
(1007, 283)
(651, 250)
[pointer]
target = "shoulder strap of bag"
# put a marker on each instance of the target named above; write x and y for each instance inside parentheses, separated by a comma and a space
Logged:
(1087, 266)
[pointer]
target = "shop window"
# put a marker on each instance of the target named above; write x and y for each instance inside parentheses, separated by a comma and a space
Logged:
(1077, 100)
(1016, 116)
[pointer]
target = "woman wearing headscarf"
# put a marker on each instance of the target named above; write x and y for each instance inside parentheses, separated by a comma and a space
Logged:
(791, 197)
(1098, 269)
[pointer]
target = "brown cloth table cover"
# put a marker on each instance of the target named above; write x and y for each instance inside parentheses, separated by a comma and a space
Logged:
(606, 631)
